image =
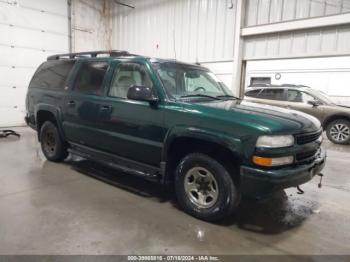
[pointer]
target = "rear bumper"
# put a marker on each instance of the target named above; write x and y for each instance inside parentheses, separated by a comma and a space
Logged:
(26, 119)
(30, 122)
(257, 182)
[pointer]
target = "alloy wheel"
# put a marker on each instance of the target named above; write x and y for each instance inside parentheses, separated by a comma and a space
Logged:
(340, 132)
(201, 187)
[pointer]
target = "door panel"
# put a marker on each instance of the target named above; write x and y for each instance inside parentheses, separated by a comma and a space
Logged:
(82, 105)
(132, 129)
(81, 119)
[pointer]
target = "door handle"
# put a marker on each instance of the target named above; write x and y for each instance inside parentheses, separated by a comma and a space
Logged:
(71, 103)
(106, 109)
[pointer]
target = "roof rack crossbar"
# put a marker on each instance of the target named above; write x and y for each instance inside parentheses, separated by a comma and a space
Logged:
(112, 53)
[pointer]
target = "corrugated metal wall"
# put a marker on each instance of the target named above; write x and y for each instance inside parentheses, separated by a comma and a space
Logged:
(194, 30)
(260, 12)
(325, 41)
(305, 43)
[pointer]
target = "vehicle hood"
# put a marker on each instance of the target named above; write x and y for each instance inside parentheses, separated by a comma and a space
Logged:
(268, 118)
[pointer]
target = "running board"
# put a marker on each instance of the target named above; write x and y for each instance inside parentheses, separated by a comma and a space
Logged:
(116, 162)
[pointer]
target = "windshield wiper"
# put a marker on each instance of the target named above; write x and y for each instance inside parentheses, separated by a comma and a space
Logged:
(201, 95)
(228, 96)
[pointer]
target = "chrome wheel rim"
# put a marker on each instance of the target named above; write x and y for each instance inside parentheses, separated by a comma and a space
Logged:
(340, 132)
(201, 187)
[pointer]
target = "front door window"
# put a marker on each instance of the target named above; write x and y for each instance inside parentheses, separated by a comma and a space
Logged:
(128, 75)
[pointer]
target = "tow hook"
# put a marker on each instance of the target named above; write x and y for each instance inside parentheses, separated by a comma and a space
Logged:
(321, 176)
(300, 191)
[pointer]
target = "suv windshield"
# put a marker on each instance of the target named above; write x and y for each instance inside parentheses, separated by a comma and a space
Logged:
(180, 81)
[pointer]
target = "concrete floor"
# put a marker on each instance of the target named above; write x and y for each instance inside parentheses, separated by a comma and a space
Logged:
(48, 208)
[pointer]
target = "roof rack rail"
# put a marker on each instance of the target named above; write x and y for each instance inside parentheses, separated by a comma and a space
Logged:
(294, 85)
(111, 53)
(260, 85)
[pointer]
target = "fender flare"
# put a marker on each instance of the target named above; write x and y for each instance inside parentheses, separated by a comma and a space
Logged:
(53, 110)
(229, 142)
(330, 118)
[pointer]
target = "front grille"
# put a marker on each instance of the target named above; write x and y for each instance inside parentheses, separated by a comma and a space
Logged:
(308, 138)
(305, 155)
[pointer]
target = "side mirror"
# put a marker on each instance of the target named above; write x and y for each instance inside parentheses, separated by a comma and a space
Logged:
(314, 103)
(141, 93)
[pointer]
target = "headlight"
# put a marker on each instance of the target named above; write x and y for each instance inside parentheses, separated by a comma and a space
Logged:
(275, 141)
(275, 161)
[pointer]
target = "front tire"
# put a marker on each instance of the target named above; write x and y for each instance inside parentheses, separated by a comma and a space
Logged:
(52, 143)
(204, 188)
(338, 131)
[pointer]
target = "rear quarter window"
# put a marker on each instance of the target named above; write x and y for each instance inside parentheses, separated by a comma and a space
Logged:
(52, 75)
(267, 93)
(273, 94)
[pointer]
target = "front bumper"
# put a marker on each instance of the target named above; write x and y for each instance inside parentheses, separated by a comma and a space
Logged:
(256, 182)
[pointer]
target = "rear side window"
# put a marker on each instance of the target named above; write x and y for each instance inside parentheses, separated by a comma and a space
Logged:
(90, 78)
(253, 93)
(272, 94)
(52, 74)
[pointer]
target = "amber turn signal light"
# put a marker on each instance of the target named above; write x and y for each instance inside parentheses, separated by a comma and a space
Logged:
(262, 161)
(276, 161)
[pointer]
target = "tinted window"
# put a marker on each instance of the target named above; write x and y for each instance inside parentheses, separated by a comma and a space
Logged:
(52, 74)
(90, 78)
(127, 75)
(253, 93)
(271, 94)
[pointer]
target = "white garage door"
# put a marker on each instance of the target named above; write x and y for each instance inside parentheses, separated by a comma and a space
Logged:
(328, 74)
(30, 31)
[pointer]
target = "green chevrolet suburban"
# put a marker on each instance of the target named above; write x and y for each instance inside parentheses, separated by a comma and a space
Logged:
(172, 122)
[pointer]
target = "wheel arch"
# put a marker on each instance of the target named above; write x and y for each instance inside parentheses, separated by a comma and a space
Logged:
(44, 112)
(181, 141)
(334, 117)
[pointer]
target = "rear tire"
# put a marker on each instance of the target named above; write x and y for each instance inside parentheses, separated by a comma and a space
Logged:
(204, 188)
(338, 131)
(52, 144)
